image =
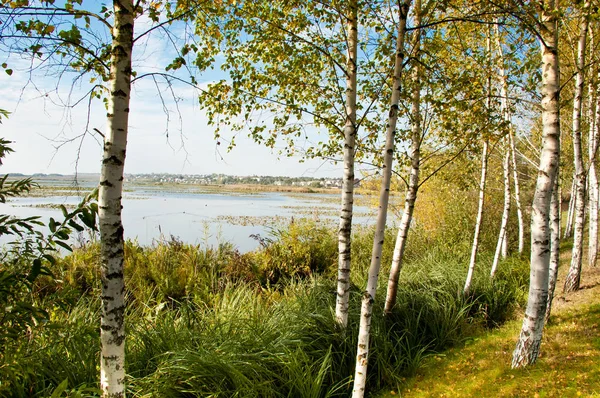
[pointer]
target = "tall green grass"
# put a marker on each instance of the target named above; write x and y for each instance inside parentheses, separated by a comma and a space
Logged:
(219, 323)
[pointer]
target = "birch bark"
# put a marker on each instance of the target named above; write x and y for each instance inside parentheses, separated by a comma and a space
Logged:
(112, 333)
(554, 246)
(593, 195)
(517, 184)
(345, 226)
(574, 274)
(528, 345)
(366, 311)
(511, 140)
(413, 181)
(501, 246)
(570, 212)
(482, 181)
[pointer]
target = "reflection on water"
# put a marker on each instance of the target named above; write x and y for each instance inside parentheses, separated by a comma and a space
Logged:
(201, 218)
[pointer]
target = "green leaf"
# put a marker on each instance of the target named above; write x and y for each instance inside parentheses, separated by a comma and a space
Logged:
(35, 270)
(63, 234)
(58, 391)
(76, 226)
(50, 258)
(52, 225)
(9, 72)
(63, 245)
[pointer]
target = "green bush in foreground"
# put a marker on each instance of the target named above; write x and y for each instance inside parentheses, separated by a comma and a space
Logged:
(214, 322)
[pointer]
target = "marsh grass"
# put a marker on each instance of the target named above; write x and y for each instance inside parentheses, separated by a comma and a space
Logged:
(211, 321)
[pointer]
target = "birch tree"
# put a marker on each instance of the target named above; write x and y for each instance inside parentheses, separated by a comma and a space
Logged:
(112, 331)
(570, 211)
(482, 180)
(528, 345)
(506, 114)
(554, 245)
(415, 162)
(480, 203)
(80, 50)
(366, 311)
(502, 236)
(34, 24)
(345, 227)
(594, 194)
(451, 108)
(573, 276)
(298, 64)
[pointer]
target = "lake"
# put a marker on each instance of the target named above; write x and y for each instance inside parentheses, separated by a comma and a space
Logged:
(199, 216)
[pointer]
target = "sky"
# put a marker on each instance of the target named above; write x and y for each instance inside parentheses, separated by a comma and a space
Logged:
(46, 133)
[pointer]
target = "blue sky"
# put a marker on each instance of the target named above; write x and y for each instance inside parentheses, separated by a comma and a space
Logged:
(40, 123)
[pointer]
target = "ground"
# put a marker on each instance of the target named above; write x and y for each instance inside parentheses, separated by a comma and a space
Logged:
(569, 364)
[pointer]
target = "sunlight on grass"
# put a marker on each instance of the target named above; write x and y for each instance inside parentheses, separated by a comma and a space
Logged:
(567, 367)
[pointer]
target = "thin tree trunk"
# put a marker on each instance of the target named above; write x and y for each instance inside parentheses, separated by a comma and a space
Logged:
(530, 338)
(511, 142)
(413, 180)
(474, 248)
(517, 191)
(506, 211)
(345, 228)
(521, 222)
(570, 212)
(482, 181)
(574, 274)
(501, 246)
(593, 195)
(112, 332)
(554, 245)
(366, 313)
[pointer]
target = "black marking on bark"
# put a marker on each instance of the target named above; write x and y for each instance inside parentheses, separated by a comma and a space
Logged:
(114, 275)
(127, 26)
(119, 232)
(106, 183)
(112, 160)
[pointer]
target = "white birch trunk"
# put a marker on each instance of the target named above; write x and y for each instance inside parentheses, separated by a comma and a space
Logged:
(521, 222)
(504, 103)
(520, 219)
(570, 212)
(345, 227)
(366, 312)
(506, 210)
(112, 333)
(413, 180)
(574, 274)
(501, 246)
(474, 248)
(593, 195)
(528, 346)
(554, 246)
